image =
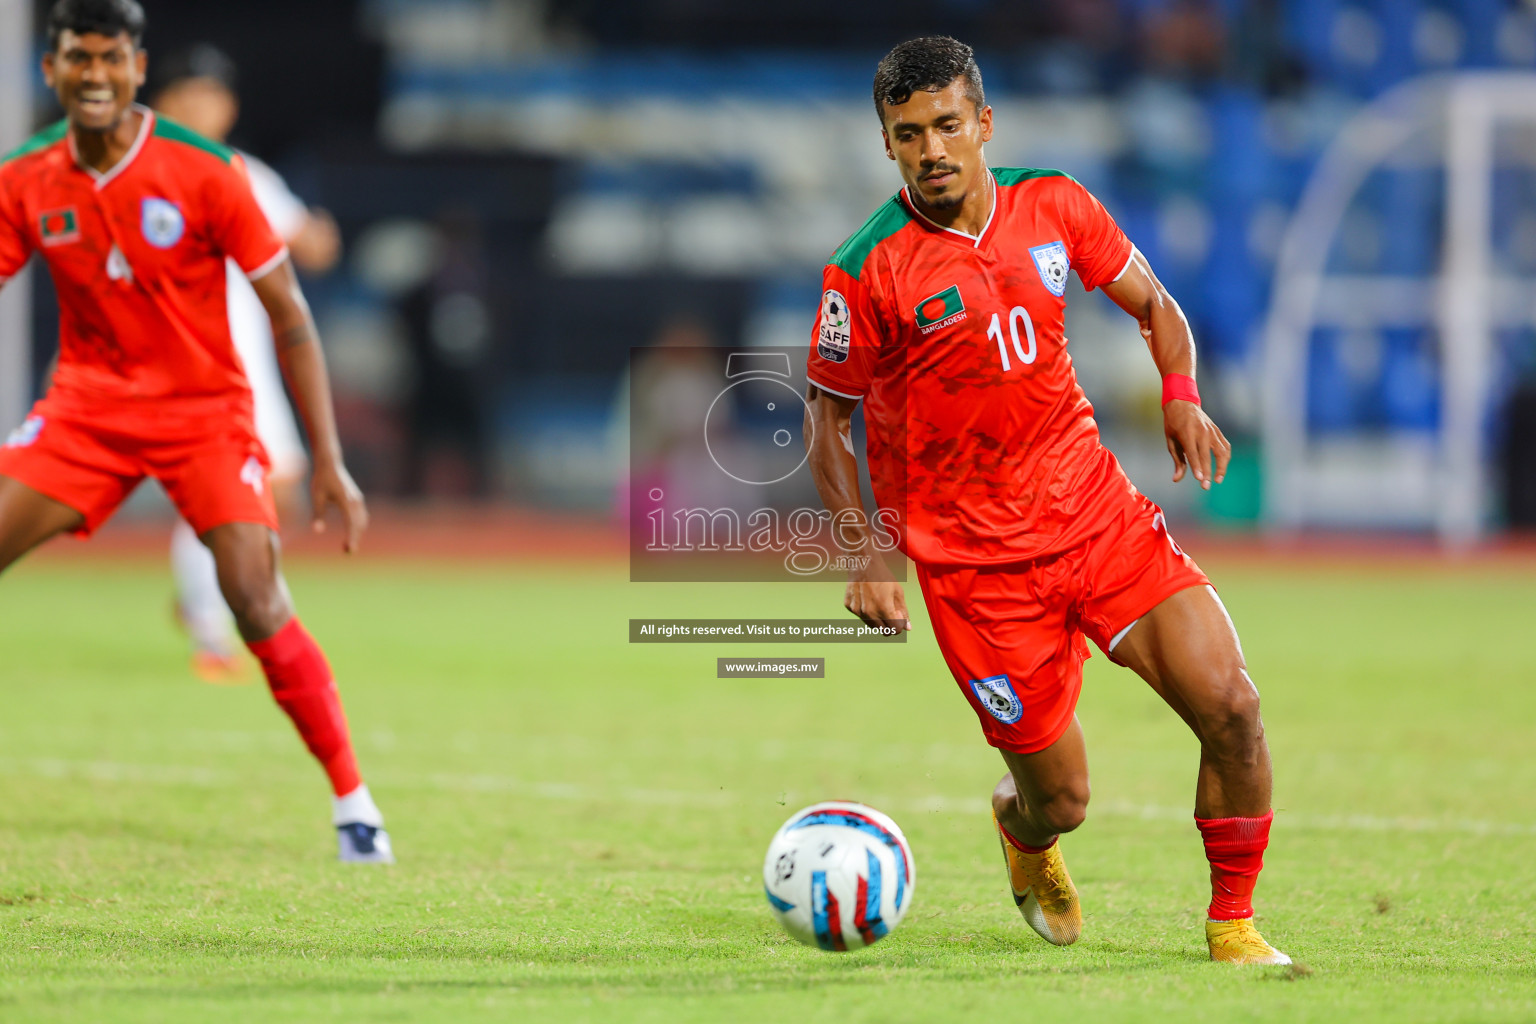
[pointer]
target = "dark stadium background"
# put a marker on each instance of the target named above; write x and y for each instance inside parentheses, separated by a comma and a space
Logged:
(539, 144)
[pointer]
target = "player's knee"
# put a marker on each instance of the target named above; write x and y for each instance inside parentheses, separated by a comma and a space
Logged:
(1064, 810)
(257, 601)
(1231, 720)
(1005, 799)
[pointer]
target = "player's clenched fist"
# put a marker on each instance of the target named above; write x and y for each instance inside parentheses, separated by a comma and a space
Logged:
(1193, 441)
(879, 605)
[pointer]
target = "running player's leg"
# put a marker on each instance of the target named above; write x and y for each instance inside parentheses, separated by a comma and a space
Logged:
(1042, 795)
(28, 518)
(1045, 793)
(221, 488)
(1005, 636)
(247, 557)
(199, 604)
(1187, 649)
(1148, 606)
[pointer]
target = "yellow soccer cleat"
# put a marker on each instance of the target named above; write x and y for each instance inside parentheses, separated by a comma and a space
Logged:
(1239, 942)
(1043, 891)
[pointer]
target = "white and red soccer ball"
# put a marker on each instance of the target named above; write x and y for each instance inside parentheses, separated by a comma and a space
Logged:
(839, 875)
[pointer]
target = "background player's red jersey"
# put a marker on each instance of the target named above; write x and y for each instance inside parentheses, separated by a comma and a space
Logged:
(137, 258)
(979, 435)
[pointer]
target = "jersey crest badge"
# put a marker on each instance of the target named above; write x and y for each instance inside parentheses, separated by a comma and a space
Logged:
(25, 434)
(162, 222)
(836, 327)
(1052, 262)
(940, 310)
(59, 227)
(997, 696)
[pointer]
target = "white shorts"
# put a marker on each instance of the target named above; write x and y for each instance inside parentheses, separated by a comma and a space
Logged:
(275, 423)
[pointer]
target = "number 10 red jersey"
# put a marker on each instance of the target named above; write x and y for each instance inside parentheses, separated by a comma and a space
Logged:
(980, 438)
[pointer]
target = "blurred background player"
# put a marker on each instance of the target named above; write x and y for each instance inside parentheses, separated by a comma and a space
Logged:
(197, 88)
(136, 217)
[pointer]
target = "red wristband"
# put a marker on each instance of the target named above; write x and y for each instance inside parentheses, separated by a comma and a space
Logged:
(1181, 387)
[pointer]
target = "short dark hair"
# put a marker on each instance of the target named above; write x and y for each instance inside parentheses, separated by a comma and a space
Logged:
(200, 60)
(104, 17)
(926, 64)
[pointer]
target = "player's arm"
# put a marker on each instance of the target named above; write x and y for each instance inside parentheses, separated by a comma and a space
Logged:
(316, 244)
(310, 232)
(15, 246)
(1193, 440)
(873, 594)
(303, 363)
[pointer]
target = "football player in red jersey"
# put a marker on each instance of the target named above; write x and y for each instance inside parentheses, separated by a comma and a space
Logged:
(944, 315)
(135, 217)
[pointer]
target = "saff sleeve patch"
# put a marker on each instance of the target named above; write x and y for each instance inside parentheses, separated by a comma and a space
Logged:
(836, 332)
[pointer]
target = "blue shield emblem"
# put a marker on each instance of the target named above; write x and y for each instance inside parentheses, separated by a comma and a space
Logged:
(1052, 262)
(996, 695)
(162, 222)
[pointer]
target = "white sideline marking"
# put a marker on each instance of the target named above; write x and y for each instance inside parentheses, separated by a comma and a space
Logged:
(186, 775)
(113, 771)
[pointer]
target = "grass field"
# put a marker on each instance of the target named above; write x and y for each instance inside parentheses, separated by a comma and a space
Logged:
(581, 822)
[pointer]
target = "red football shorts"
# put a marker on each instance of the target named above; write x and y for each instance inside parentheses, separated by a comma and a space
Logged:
(1013, 635)
(213, 467)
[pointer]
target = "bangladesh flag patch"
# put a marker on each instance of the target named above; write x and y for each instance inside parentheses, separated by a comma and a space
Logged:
(940, 310)
(59, 226)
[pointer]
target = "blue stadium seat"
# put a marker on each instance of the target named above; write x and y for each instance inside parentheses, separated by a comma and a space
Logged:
(1410, 389)
(1330, 399)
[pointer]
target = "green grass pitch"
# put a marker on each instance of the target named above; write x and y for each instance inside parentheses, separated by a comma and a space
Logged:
(581, 822)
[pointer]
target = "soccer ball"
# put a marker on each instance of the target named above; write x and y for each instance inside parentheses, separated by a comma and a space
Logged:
(839, 875)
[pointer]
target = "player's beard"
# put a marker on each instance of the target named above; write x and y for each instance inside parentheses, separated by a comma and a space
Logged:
(947, 202)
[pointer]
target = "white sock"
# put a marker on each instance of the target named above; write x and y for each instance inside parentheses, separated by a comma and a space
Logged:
(202, 605)
(356, 807)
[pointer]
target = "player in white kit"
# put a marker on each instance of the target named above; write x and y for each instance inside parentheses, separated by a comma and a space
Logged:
(198, 90)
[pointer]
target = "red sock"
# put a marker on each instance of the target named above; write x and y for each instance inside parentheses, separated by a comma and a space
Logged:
(303, 686)
(1235, 848)
(1025, 847)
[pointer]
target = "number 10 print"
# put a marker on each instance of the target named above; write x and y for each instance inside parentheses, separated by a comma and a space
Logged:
(1016, 314)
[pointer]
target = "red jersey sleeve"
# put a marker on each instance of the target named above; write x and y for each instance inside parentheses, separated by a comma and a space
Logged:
(15, 246)
(239, 227)
(847, 337)
(1100, 251)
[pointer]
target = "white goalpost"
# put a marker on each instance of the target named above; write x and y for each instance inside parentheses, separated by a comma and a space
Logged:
(15, 124)
(1440, 481)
